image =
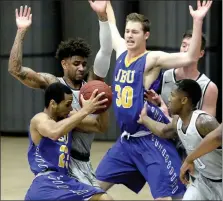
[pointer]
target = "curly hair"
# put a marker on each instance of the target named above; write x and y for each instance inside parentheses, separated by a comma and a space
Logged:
(71, 47)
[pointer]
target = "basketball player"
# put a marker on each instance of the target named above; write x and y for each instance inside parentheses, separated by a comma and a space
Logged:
(135, 158)
(73, 56)
(191, 126)
(209, 97)
(50, 145)
(211, 142)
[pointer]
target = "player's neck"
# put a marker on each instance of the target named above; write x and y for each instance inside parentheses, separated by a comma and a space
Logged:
(76, 85)
(189, 72)
(49, 112)
(135, 53)
(186, 115)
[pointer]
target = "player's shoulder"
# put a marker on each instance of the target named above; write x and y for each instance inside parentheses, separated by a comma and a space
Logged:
(205, 123)
(212, 87)
(38, 118)
(121, 56)
(152, 56)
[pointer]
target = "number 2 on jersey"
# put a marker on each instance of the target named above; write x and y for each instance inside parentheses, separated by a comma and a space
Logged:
(124, 96)
(63, 162)
(64, 156)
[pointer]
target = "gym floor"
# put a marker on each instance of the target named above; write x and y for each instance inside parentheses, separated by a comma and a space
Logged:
(16, 176)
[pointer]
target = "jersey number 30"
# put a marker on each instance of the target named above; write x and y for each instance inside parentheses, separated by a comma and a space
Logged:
(124, 96)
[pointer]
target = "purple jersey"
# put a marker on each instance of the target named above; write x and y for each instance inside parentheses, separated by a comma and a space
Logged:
(128, 93)
(50, 155)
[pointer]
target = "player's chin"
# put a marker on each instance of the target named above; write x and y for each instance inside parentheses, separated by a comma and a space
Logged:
(65, 115)
(170, 109)
(131, 46)
(173, 112)
(79, 77)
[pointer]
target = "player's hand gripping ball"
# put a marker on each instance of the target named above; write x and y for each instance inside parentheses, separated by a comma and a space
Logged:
(88, 88)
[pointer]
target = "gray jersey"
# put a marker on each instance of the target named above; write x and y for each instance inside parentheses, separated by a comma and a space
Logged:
(204, 189)
(169, 84)
(81, 142)
(209, 165)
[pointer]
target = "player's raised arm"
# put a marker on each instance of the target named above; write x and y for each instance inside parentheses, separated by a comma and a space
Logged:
(118, 43)
(103, 57)
(177, 60)
(25, 75)
(48, 127)
(160, 129)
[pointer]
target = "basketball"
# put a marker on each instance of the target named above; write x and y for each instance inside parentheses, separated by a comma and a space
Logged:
(88, 88)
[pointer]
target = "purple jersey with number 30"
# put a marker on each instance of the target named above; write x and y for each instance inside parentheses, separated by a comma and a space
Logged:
(128, 92)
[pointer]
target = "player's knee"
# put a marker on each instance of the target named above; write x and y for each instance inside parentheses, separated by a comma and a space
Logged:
(105, 185)
(164, 198)
(103, 196)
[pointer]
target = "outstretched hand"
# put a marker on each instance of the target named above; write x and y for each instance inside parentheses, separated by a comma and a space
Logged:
(202, 9)
(99, 6)
(23, 17)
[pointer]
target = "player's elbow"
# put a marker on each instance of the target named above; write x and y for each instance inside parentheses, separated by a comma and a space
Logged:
(101, 128)
(104, 128)
(161, 133)
(12, 70)
(167, 133)
(219, 138)
(107, 52)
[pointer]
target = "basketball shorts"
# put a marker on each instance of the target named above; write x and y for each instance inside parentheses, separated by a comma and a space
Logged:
(83, 172)
(137, 160)
(56, 186)
(204, 189)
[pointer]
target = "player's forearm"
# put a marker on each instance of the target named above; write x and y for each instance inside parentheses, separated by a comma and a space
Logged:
(15, 59)
(211, 142)
(103, 121)
(110, 13)
(195, 45)
(64, 126)
(155, 127)
(117, 40)
(103, 57)
(94, 124)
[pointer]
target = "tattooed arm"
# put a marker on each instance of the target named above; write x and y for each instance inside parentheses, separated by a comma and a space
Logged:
(212, 141)
(25, 75)
(206, 124)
